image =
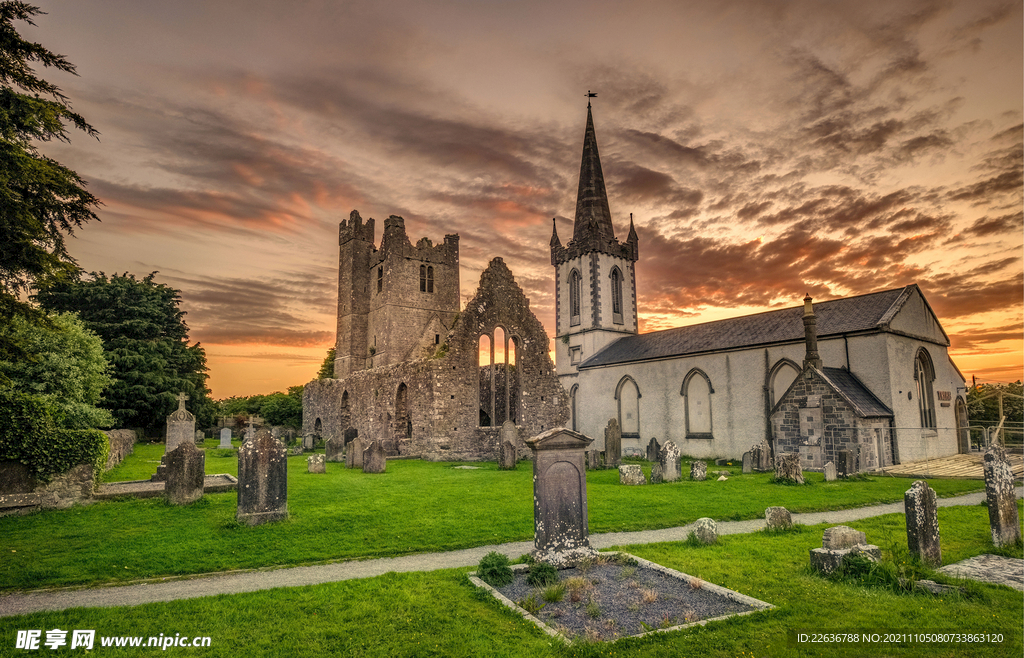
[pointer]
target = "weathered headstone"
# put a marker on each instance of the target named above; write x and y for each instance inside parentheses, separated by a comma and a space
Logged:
(277, 432)
(787, 468)
(826, 560)
(308, 441)
(375, 459)
(181, 426)
(1002, 500)
(631, 474)
(612, 444)
(748, 462)
(354, 454)
(761, 457)
(653, 450)
(593, 460)
(698, 471)
(561, 532)
(186, 473)
(778, 518)
(657, 473)
(923, 523)
(670, 464)
(316, 464)
(841, 536)
(335, 449)
(508, 439)
(350, 434)
(507, 458)
(200, 437)
(225, 437)
(262, 480)
(847, 465)
(830, 472)
(705, 530)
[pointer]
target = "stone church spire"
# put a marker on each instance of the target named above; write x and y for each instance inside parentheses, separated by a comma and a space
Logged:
(593, 218)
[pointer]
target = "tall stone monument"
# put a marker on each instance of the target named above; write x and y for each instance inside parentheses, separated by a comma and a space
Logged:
(186, 474)
(561, 533)
(508, 439)
(1002, 500)
(181, 425)
(612, 444)
(262, 480)
(921, 510)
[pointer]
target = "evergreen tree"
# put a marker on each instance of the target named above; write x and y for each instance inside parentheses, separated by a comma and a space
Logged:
(40, 199)
(145, 338)
(327, 367)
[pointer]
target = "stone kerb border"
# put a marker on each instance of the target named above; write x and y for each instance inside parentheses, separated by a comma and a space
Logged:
(705, 585)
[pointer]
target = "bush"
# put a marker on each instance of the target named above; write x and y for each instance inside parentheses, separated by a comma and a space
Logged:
(494, 569)
(542, 574)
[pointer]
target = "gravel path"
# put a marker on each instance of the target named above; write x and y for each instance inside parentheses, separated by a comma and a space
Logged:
(251, 581)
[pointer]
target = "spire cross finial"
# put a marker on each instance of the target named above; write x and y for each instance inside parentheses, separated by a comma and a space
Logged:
(590, 94)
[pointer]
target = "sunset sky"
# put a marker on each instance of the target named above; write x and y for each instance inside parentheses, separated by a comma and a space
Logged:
(766, 149)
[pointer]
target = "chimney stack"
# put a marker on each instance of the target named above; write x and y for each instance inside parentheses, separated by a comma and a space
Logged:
(810, 335)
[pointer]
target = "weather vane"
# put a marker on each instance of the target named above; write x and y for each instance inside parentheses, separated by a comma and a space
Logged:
(590, 94)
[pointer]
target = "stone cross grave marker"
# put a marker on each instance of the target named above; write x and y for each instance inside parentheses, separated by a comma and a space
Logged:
(671, 468)
(185, 470)
(181, 426)
(225, 437)
(922, 515)
(561, 531)
(1002, 500)
(612, 444)
(262, 480)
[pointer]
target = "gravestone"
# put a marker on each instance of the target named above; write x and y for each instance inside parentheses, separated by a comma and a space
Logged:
(787, 468)
(830, 472)
(186, 473)
(778, 518)
(277, 432)
(657, 473)
(561, 533)
(593, 460)
(316, 464)
(631, 474)
(181, 426)
(612, 444)
(841, 536)
(335, 450)
(698, 471)
(508, 438)
(723, 478)
(748, 462)
(653, 450)
(350, 434)
(670, 467)
(225, 437)
(705, 530)
(761, 457)
(375, 459)
(847, 465)
(262, 480)
(199, 437)
(308, 441)
(354, 454)
(923, 523)
(1002, 500)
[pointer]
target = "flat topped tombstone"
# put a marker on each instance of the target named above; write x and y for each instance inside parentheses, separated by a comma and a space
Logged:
(508, 439)
(921, 508)
(225, 437)
(316, 464)
(375, 458)
(653, 450)
(612, 444)
(334, 449)
(181, 426)
(561, 531)
(262, 480)
(671, 467)
(631, 474)
(1001, 498)
(841, 536)
(186, 474)
(354, 454)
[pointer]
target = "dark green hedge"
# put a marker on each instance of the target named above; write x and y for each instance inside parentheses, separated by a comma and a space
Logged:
(28, 434)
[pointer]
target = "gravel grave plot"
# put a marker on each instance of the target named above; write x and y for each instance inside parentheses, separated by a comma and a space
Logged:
(610, 601)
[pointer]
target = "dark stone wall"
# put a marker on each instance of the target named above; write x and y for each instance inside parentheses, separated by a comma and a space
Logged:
(122, 444)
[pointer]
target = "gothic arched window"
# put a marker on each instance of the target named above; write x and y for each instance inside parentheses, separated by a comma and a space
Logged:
(924, 374)
(697, 392)
(628, 395)
(574, 297)
(616, 296)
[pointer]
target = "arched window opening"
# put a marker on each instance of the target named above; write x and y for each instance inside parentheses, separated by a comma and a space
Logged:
(783, 374)
(403, 419)
(486, 396)
(430, 278)
(423, 278)
(697, 392)
(616, 296)
(628, 395)
(380, 279)
(572, 407)
(574, 298)
(924, 374)
(499, 378)
(345, 413)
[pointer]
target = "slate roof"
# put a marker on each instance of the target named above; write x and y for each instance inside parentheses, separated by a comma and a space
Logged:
(860, 398)
(868, 312)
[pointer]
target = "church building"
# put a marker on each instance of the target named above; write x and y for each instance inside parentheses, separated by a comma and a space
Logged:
(869, 374)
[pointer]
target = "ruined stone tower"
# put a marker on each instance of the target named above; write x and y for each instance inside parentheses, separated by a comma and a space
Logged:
(595, 282)
(396, 303)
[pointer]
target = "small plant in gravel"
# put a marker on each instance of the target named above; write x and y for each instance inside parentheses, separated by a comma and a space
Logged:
(626, 573)
(649, 595)
(667, 622)
(530, 604)
(554, 593)
(696, 583)
(593, 610)
(494, 569)
(577, 587)
(542, 574)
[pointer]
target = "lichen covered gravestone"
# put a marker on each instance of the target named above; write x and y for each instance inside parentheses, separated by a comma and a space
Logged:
(593, 460)
(837, 543)
(561, 532)
(830, 472)
(262, 480)
(778, 518)
(1002, 500)
(375, 459)
(186, 474)
(698, 471)
(612, 444)
(316, 464)
(181, 425)
(787, 468)
(657, 473)
(761, 457)
(631, 474)
(705, 530)
(670, 462)
(334, 449)
(922, 515)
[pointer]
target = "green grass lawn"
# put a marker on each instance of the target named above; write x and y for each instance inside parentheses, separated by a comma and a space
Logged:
(414, 507)
(440, 614)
